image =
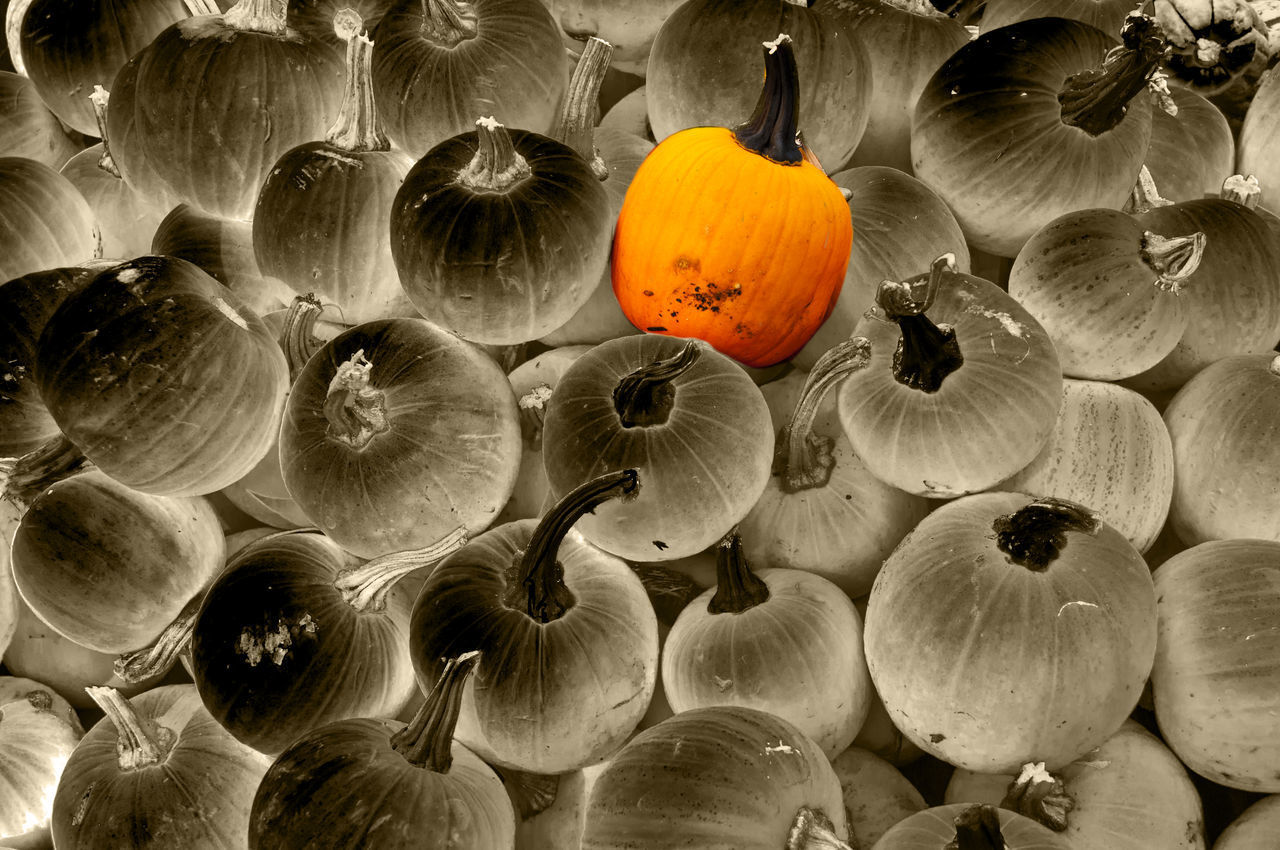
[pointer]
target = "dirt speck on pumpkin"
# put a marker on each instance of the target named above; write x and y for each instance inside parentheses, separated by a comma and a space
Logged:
(659, 544)
(258, 643)
(77, 817)
(937, 738)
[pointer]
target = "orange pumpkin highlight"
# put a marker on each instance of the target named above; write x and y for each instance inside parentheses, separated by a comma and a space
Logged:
(735, 237)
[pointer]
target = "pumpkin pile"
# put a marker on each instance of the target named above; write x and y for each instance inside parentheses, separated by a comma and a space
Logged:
(585, 425)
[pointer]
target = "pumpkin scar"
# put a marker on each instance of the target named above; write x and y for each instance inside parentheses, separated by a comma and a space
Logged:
(256, 643)
(1066, 605)
(770, 749)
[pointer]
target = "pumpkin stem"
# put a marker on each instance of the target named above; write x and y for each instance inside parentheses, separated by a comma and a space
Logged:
(645, 397)
(154, 661)
(99, 100)
(813, 830)
(1145, 195)
(297, 337)
(427, 741)
(1097, 99)
(578, 116)
(447, 22)
(1034, 535)
(538, 587)
(270, 17)
(533, 410)
(357, 128)
(1245, 191)
(803, 459)
(201, 7)
(1172, 259)
(1039, 795)
(738, 589)
(978, 828)
(497, 165)
(24, 478)
(365, 587)
(926, 353)
(356, 412)
(531, 793)
(771, 129)
(141, 743)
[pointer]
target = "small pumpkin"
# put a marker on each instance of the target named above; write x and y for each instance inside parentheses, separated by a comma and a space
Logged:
(38, 733)
(45, 222)
(1192, 151)
(876, 795)
(1257, 134)
(756, 287)
(28, 128)
(381, 783)
(1214, 43)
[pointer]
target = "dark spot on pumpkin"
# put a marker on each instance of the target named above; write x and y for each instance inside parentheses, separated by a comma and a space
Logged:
(712, 297)
(648, 292)
(937, 738)
(659, 544)
(655, 328)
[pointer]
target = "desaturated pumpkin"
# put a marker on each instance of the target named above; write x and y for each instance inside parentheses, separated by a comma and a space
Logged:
(1254, 829)
(1106, 15)
(44, 222)
(629, 27)
(27, 128)
(38, 733)
(755, 283)
(963, 826)
(1033, 620)
(1261, 123)
(1193, 151)
(876, 794)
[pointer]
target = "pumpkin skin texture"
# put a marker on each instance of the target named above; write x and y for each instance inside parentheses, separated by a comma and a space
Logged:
(715, 424)
(338, 661)
(688, 85)
(27, 128)
(1008, 164)
(1107, 291)
(1130, 793)
(876, 795)
(1111, 451)
(204, 110)
(630, 28)
(724, 650)
(1257, 139)
(162, 378)
(196, 795)
(934, 829)
(1027, 663)
(497, 259)
(1223, 427)
(1106, 15)
(719, 778)
(1214, 683)
(1254, 829)
(558, 685)
(89, 547)
(1192, 152)
(448, 456)
(128, 220)
(45, 222)
(899, 226)
(433, 79)
(38, 733)
(985, 421)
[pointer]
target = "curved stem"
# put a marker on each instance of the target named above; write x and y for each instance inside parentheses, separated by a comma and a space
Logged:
(427, 741)
(201, 7)
(357, 128)
(497, 165)
(978, 828)
(738, 589)
(771, 129)
(24, 478)
(365, 587)
(356, 412)
(1039, 795)
(99, 100)
(1096, 100)
(1245, 191)
(538, 587)
(806, 458)
(1174, 259)
(644, 397)
(154, 661)
(447, 22)
(297, 337)
(578, 116)
(1145, 195)
(926, 353)
(1034, 535)
(813, 830)
(141, 743)
(269, 17)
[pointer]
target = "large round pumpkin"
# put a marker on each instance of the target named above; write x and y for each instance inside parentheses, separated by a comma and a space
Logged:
(1033, 620)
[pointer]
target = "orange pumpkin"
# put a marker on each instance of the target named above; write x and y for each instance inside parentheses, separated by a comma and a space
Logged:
(735, 237)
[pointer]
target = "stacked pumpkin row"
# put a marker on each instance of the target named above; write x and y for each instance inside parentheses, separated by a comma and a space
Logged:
(402, 471)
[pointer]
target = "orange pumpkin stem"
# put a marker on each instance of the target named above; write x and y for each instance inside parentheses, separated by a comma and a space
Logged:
(447, 23)
(813, 830)
(738, 589)
(427, 741)
(357, 128)
(645, 396)
(297, 337)
(538, 587)
(771, 129)
(141, 743)
(803, 459)
(99, 100)
(1039, 795)
(1174, 260)
(1097, 99)
(365, 588)
(978, 828)
(154, 661)
(578, 116)
(926, 353)
(24, 478)
(1034, 535)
